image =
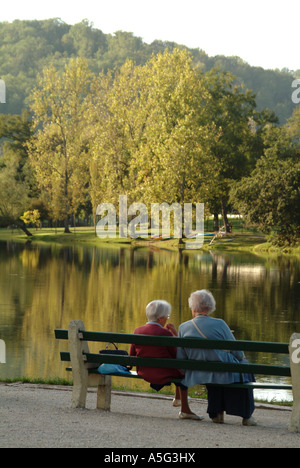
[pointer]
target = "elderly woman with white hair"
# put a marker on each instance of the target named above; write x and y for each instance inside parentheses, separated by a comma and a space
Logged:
(234, 401)
(158, 312)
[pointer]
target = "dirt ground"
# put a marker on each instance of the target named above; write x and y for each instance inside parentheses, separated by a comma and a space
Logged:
(39, 416)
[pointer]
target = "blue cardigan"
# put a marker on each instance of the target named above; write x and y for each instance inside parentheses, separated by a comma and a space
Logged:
(213, 329)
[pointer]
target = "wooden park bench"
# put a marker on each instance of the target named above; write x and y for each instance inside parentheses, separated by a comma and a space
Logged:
(84, 375)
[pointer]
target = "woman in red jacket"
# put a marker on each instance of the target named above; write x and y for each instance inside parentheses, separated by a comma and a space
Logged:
(158, 312)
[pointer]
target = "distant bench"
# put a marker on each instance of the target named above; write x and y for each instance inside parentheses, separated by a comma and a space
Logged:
(84, 376)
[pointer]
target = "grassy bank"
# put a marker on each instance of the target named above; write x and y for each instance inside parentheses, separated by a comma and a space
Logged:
(240, 240)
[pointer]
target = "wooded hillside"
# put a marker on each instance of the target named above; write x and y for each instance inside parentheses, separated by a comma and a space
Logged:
(26, 47)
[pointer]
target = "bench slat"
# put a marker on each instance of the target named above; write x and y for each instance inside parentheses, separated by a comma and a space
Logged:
(183, 364)
(124, 338)
(61, 334)
(256, 385)
(251, 385)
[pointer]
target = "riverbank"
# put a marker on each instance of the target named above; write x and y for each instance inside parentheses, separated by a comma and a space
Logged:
(237, 242)
(39, 416)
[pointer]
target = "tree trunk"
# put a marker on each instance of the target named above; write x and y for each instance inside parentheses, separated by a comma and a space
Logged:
(180, 242)
(224, 214)
(24, 229)
(67, 230)
(216, 222)
(95, 224)
(67, 207)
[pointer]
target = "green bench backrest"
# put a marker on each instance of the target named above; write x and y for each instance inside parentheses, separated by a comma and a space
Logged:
(282, 348)
(258, 346)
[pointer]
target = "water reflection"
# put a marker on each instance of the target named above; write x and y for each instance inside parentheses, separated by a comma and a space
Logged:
(42, 288)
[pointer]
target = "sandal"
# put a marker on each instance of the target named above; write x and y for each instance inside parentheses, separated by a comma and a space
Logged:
(249, 422)
(176, 403)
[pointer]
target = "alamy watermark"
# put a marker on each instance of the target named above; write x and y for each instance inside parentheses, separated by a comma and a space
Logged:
(2, 352)
(139, 225)
(296, 354)
(2, 92)
(296, 93)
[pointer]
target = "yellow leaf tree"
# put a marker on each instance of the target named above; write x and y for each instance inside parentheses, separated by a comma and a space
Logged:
(59, 148)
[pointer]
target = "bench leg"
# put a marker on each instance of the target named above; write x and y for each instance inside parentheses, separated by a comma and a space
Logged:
(104, 393)
(295, 371)
(80, 372)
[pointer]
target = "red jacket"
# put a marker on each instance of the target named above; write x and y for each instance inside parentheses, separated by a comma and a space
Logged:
(155, 375)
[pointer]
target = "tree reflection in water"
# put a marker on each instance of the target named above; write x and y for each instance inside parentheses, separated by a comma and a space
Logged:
(42, 288)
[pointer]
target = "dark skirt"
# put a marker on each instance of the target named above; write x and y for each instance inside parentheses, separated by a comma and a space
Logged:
(234, 401)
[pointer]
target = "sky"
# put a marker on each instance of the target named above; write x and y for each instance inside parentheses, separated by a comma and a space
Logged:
(264, 33)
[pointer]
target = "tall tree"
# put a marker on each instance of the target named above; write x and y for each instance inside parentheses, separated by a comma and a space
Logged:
(230, 110)
(176, 135)
(149, 131)
(270, 196)
(117, 118)
(58, 149)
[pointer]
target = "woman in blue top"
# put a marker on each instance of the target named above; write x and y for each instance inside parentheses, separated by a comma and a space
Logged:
(234, 401)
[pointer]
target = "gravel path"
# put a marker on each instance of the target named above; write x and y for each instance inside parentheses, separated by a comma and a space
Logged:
(40, 416)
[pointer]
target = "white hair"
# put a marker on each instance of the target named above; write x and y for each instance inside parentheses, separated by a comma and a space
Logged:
(203, 300)
(157, 309)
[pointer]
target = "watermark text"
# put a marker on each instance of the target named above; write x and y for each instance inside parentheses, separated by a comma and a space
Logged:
(296, 93)
(2, 352)
(2, 92)
(160, 215)
(296, 354)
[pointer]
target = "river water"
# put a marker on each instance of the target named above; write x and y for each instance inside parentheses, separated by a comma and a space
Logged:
(43, 287)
